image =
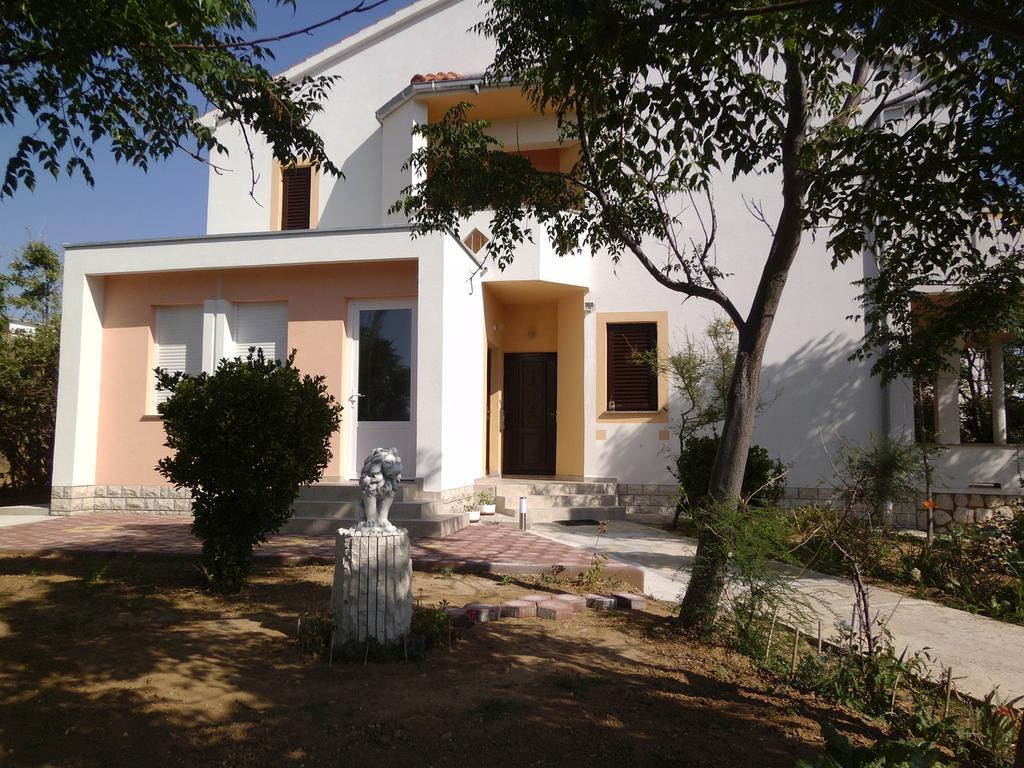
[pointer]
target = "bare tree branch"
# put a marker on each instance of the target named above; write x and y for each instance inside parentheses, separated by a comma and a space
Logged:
(361, 7)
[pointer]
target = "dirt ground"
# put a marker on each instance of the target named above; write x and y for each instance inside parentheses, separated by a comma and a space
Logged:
(123, 662)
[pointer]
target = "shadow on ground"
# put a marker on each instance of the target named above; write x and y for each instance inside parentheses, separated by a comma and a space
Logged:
(128, 661)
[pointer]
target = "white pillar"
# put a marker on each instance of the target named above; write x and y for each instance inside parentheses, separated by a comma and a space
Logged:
(78, 387)
(998, 394)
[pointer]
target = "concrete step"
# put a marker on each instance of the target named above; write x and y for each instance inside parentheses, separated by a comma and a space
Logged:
(25, 510)
(407, 510)
(433, 527)
(563, 500)
(349, 491)
(552, 488)
(554, 514)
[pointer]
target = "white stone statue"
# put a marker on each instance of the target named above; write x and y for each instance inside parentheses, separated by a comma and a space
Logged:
(378, 480)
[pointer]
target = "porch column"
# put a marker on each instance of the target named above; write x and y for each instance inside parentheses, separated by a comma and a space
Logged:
(998, 393)
(78, 388)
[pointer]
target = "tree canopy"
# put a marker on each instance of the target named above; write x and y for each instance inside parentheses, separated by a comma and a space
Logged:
(30, 291)
(893, 130)
(139, 75)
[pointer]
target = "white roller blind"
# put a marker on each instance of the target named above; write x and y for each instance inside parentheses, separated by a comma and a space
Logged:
(264, 326)
(179, 341)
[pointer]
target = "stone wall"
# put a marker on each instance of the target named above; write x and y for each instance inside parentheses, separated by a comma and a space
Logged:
(457, 499)
(133, 499)
(649, 499)
(964, 508)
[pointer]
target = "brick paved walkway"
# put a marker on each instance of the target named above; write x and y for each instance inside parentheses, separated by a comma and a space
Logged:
(477, 548)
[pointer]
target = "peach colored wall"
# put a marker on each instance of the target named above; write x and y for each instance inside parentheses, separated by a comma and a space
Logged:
(130, 443)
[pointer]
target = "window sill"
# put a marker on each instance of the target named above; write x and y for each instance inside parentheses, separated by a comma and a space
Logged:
(634, 417)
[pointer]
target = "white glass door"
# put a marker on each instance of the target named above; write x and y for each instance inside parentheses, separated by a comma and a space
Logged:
(382, 400)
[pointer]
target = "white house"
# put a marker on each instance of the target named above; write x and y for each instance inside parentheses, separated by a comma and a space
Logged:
(488, 373)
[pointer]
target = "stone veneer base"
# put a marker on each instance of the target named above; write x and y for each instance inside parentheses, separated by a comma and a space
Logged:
(964, 508)
(131, 499)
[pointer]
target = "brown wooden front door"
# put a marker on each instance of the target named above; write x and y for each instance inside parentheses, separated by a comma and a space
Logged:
(528, 445)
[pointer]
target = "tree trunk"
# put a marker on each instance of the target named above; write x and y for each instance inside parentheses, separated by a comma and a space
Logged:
(707, 581)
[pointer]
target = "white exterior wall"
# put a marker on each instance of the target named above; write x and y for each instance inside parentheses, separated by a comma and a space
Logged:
(808, 383)
(373, 65)
(450, 382)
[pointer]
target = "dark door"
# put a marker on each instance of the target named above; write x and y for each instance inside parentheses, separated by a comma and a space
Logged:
(528, 445)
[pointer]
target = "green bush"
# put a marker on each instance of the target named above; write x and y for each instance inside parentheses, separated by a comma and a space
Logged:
(244, 440)
(763, 481)
(30, 290)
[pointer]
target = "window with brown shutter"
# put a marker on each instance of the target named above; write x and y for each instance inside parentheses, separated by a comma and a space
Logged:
(632, 384)
(295, 191)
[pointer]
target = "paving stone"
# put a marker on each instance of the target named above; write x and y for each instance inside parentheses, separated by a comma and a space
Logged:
(519, 609)
(599, 602)
(536, 598)
(558, 610)
(629, 601)
(482, 612)
(577, 602)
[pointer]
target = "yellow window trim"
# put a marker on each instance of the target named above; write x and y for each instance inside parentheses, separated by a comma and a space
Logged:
(275, 194)
(604, 416)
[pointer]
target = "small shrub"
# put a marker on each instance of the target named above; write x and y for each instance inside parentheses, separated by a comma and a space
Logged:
(763, 478)
(429, 629)
(840, 752)
(244, 439)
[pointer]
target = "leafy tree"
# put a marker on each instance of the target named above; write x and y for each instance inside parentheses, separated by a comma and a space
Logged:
(28, 368)
(130, 73)
(893, 130)
(245, 438)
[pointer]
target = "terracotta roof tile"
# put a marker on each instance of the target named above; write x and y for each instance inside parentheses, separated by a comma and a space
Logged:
(431, 77)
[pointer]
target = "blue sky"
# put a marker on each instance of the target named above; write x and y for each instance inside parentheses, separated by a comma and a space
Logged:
(171, 198)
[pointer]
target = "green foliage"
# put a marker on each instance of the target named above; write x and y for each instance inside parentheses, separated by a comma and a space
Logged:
(131, 78)
(756, 539)
(981, 567)
(886, 471)
(840, 752)
(28, 368)
(244, 439)
(699, 372)
(763, 478)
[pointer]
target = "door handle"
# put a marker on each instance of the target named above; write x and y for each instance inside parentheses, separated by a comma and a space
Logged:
(354, 398)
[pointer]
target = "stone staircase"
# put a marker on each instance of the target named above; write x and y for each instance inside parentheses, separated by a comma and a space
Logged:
(556, 500)
(331, 504)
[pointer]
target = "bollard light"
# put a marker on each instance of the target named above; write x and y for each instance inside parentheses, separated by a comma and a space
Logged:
(522, 513)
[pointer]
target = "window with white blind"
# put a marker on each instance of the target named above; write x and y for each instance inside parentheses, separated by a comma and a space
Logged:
(179, 342)
(264, 326)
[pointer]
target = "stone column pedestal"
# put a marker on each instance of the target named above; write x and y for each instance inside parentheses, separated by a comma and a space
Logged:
(372, 592)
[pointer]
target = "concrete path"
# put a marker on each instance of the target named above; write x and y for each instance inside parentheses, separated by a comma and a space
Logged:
(20, 514)
(983, 653)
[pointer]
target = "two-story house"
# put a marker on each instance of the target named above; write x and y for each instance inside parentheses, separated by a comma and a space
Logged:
(472, 372)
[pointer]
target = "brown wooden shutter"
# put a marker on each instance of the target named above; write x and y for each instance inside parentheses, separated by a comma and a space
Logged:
(632, 386)
(295, 187)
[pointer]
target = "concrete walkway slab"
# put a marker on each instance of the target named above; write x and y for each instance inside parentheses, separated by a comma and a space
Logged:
(983, 653)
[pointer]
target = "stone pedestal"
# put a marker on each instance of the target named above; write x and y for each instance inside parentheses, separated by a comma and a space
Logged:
(372, 593)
